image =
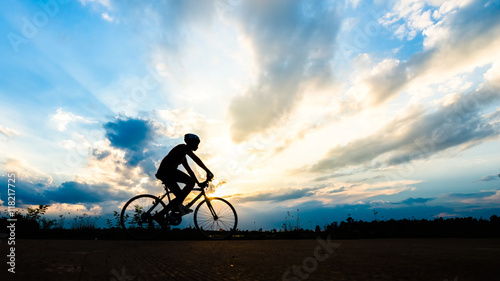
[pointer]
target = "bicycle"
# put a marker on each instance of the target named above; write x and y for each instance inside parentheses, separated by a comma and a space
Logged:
(214, 217)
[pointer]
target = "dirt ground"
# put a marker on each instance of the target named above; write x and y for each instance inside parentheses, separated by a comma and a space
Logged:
(378, 259)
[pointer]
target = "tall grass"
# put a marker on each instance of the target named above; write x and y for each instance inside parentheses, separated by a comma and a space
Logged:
(84, 222)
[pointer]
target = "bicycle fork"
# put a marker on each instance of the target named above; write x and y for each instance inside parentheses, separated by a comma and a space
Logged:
(211, 208)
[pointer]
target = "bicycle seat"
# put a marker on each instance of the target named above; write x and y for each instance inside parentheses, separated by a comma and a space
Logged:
(162, 180)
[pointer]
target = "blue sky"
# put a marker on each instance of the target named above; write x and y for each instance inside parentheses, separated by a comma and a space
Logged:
(332, 108)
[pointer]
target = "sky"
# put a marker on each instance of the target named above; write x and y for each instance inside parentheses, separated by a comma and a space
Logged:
(308, 111)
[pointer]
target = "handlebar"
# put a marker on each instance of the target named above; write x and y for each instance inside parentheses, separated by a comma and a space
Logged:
(205, 183)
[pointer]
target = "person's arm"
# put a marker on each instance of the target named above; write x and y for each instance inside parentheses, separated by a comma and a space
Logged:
(188, 169)
(200, 163)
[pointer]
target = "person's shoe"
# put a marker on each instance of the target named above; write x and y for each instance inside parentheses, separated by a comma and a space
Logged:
(184, 210)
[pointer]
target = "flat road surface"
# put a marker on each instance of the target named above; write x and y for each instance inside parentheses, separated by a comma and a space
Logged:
(377, 259)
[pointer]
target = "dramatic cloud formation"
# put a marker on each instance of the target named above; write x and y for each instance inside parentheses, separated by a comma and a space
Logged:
(418, 134)
(292, 44)
(459, 42)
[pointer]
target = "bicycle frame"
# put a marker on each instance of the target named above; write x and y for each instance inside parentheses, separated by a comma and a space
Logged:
(202, 193)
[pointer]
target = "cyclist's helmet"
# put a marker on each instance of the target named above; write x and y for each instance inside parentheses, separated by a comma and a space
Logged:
(191, 138)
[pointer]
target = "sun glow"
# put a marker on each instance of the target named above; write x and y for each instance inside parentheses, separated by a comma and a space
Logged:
(216, 188)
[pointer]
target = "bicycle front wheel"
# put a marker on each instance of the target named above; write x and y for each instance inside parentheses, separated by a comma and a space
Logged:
(137, 216)
(215, 218)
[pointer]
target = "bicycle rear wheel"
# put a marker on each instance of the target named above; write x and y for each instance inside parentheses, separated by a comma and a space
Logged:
(215, 218)
(137, 217)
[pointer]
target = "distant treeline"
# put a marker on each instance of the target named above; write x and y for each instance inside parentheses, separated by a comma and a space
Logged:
(33, 224)
(405, 228)
(439, 227)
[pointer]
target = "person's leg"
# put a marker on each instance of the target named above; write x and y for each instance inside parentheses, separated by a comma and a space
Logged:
(171, 181)
(188, 181)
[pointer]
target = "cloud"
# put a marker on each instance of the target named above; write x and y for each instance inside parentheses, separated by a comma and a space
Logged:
(480, 200)
(419, 134)
(338, 190)
(475, 195)
(168, 22)
(128, 133)
(345, 192)
(411, 201)
(24, 172)
(75, 192)
(386, 80)
(107, 17)
(183, 120)
(408, 18)
(7, 132)
(445, 215)
(105, 3)
(100, 154)
(492, 76)
(327, 194)
(462, 41)
(35, 191)
(273, 196)
(62, 119)
(490, 178)
(332, 176)
(135, 138)
(27, 192)
(292, 42)
(354, 3)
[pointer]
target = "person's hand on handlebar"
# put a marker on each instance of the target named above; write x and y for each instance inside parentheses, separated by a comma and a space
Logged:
(210, 176)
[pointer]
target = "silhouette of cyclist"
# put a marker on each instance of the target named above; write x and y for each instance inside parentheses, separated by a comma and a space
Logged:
(170, 175)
